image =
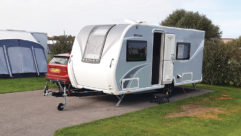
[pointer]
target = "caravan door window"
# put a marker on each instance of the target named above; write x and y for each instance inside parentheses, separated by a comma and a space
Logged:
(136, 50)
(183, 51)
(95, 43)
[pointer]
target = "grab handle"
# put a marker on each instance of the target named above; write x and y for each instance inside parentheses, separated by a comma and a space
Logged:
(111, 62)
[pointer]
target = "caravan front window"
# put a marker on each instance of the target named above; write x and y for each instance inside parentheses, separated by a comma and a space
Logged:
(136, 50)
(95, 43)
(183, 51)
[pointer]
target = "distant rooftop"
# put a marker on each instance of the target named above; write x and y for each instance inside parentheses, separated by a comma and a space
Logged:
(226, 40)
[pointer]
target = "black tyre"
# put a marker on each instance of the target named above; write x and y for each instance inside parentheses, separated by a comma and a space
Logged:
(60, 106)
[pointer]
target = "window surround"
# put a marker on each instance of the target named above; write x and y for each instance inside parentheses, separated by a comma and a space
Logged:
(128, 43)
(188, 45)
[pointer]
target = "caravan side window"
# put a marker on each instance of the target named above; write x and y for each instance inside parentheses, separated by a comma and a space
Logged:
(136, 50)
(183, 51)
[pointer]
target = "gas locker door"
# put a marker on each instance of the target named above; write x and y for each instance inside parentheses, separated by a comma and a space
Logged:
(168, 57)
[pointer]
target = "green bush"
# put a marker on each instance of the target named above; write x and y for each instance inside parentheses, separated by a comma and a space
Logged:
(222, 65)
(63, 44)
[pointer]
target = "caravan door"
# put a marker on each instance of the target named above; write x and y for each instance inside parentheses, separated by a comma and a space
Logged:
(168, 57)
(158, 39)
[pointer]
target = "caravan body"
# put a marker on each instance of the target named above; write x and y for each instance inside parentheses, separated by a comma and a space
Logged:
(131, 58)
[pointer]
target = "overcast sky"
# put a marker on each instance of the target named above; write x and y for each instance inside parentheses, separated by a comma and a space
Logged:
(56, 16)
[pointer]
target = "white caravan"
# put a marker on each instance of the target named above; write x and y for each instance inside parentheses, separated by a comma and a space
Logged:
(132, 58)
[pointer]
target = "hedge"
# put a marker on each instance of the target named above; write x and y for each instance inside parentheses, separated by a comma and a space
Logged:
(222, 63)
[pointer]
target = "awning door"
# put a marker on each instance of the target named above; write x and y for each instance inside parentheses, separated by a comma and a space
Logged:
(168, 56)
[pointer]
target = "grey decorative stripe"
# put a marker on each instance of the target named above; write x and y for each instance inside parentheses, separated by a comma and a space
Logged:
(130, 74)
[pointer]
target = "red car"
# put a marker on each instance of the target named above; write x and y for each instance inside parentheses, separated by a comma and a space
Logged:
(58, 69)
(58, 73)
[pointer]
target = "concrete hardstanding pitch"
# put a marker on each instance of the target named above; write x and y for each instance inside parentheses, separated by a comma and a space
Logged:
(32, 114)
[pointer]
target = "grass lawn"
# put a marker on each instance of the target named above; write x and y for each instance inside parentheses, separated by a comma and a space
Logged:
(213, 114)
(22, 84)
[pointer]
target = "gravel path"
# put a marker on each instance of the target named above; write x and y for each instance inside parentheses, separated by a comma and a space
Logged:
(32, 114)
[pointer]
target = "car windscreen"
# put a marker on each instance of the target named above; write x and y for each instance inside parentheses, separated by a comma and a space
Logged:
(59, 60)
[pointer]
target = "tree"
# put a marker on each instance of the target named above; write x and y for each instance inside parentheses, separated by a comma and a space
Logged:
(189, 19)
(63, 44)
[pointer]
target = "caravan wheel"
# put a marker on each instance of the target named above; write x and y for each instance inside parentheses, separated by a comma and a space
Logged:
(60, 107)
